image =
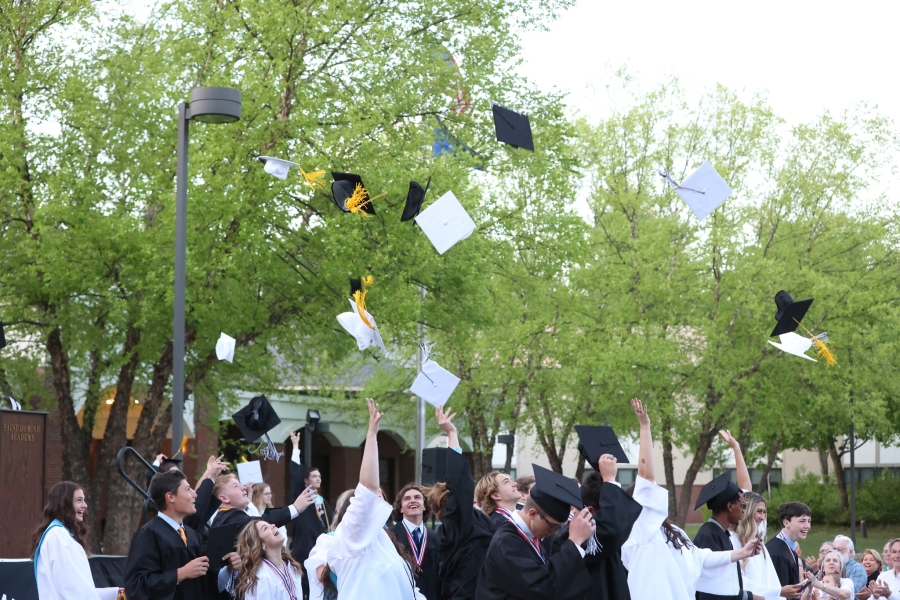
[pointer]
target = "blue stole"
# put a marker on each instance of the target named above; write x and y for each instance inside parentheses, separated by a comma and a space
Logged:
(37, 551)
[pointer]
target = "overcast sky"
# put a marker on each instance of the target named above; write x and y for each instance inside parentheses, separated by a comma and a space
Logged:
(807, 56)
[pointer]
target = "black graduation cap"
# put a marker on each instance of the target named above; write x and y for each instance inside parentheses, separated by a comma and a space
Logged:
(342, 190)
(414, 199)
(597, 440)
(555, 493)
(256, 419)
(719, 488)
(789, 313)
(355, 285)
(220, 542)
(2, 337)
(512, 128)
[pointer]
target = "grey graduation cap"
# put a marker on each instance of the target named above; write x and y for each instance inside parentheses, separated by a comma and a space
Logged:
(720, 488)
(555, 493)
(512, 128)
(597, 440)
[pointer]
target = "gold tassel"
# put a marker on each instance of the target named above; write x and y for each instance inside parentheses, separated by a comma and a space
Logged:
(823, 349)
(359, 297)
(314, 178)
(356, 202)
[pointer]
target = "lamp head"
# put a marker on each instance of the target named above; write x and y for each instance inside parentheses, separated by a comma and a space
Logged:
(215, 105)
(312, 419)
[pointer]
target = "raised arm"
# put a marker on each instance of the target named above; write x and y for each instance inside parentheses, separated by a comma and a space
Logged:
(445, 422)
(743, 474)
(368, 470)
(645, 459)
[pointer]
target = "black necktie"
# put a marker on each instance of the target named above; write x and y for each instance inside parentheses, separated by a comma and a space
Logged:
(417, 537)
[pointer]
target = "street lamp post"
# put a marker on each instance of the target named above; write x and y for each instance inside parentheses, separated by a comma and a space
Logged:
(207, 105)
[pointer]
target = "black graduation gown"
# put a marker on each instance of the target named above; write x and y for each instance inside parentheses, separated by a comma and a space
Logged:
(513, 570)
(497, 519)
(206, 505)
(465, 533)
(785, 561)
(713, 537)
(156, 554)
(427, 577)
(309, 525)
(614, 518)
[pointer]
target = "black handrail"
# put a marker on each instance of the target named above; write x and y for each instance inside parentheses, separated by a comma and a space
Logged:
(120, 463)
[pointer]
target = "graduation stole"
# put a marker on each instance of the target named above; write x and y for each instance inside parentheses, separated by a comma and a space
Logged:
(37, 550)
(535, 546)
(505, 513)
(286, 579)
(418, 553)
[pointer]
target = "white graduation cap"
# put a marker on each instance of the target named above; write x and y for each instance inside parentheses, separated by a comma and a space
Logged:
(795, 344)
(446, 222)
(225, 347)
(277, 166)
(434, 384)
(703, 191)
(15, 405)
(355, 326)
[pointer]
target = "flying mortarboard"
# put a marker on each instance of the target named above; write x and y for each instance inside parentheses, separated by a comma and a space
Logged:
(512, 128)
(350, 195)
(434, 384)
(555, 493)
(795, 344)
(277, 166)
(255, 421)
(359, 323)
(13, 404)
(597, 440)
(703, 191)
(446, 222)
(789, 313)
(720, 488)
(414, 199)
(225, 347)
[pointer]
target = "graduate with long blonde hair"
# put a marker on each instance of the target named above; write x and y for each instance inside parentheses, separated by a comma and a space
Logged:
(268, 572)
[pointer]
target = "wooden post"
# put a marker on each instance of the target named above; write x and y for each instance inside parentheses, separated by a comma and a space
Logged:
(23, 447)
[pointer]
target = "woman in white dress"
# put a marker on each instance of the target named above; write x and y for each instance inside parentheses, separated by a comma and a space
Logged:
(268, 572)
(363, 558)
(662, 562)
(61, 565)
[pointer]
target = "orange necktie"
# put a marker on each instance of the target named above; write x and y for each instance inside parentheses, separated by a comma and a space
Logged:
(183, 537)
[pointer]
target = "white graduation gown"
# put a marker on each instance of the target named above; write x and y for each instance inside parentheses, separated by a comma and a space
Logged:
(363, 557)
(759, 573)
(269, 586)
(318, 556)
(63, 572)
(656, 570)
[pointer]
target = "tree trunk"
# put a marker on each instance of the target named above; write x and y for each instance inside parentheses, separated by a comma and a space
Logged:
(708, 433)
(669, 465)
(838, 472)
(482, 441)
(770, 461)
(823, 462)
(119, 520)
(75, 456)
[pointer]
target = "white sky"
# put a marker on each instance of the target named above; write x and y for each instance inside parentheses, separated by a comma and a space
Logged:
(807, 56)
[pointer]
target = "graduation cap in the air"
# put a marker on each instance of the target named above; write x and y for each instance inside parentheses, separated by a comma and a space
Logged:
(555, 493)
(350, 195)
(277, 166)
(703, 191)
(359, 323)
(719, 489)
(789, 313)
(446, 222)
(255, 421)
(512, 128)
(795, 344)
(225, 347)
(597, 440)
(434, 384)
(414, 199)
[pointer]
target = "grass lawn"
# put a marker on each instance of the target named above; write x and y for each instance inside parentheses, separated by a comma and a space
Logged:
(877, 537)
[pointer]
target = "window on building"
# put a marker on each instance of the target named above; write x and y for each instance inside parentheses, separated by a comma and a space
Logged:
(626, 477)
(755, 476)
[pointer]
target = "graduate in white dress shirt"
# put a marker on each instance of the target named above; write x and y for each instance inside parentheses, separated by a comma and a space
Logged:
(268, 572)
(662, 562)
(60, 561)
(366, 562)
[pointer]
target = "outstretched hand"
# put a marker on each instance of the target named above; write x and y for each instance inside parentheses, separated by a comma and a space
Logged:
(215, 466)
(295, 439)
(726, 435)
(640, 411)
(374, 416)
(445, 419)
